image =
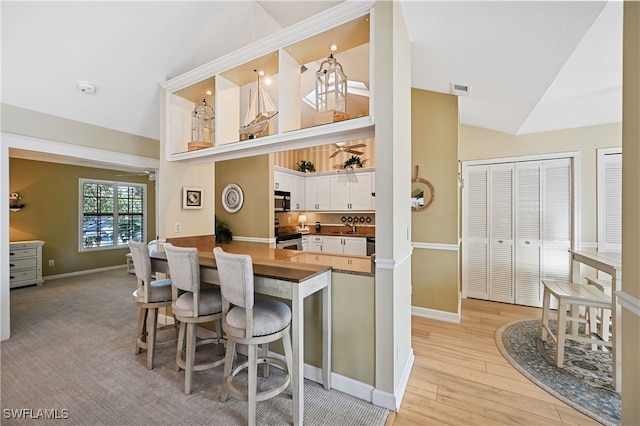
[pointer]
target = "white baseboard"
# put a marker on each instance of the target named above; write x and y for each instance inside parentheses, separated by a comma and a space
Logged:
(339, 382)
(436, 315)
(392, 401)
(87, 271)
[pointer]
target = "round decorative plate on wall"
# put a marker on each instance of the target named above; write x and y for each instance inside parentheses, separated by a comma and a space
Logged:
(232, 198)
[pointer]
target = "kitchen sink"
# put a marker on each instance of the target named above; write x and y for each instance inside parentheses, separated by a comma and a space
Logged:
(342, 233)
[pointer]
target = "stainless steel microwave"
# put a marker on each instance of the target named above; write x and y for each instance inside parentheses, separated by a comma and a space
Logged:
(282, 201)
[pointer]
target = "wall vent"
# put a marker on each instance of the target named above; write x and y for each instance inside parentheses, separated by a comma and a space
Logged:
(460, 89)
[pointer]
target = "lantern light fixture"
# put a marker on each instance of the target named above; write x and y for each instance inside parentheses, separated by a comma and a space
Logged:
(331, 87)
(202, 130)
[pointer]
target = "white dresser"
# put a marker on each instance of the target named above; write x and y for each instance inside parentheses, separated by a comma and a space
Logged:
(25, 263)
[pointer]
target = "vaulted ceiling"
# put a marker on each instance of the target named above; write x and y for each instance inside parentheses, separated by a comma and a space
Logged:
(531, 66)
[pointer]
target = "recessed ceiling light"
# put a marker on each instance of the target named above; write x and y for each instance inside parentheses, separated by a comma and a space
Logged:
(208, 92)
(86, 87)
(333, 47)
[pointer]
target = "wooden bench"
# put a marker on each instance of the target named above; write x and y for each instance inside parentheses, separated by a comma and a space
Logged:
(574, 295)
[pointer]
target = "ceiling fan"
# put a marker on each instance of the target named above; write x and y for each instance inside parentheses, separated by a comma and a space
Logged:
(341, 147)
(150, 173)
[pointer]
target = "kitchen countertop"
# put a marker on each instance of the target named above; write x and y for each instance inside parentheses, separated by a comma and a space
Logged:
(334, 230)
(282, 264)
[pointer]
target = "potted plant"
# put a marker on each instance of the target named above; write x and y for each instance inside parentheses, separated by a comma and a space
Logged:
(354, 161)
(223, 233)
(306, 166)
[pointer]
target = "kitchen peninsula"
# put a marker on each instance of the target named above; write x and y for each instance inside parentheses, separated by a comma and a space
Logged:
(351, 324)
(294, 283)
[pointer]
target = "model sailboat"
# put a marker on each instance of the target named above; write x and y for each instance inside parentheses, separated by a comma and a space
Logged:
(261, 110)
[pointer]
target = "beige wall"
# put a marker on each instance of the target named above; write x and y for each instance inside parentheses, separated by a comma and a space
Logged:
(48, 127)
(434, 135)
(631, 213)
(477, 144)
(255, 176)
(50, 194)
(174, 176)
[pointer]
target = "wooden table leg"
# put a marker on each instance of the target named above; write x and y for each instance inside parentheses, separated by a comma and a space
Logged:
(326, 334)
(297, 341)
(616, 353)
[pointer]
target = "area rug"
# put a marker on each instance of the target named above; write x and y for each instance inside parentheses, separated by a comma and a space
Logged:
(585, 381)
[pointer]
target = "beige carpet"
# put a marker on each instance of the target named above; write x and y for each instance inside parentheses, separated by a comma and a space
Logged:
(71, 353)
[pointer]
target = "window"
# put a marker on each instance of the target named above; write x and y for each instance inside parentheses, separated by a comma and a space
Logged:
(111, 214)
(610, 199)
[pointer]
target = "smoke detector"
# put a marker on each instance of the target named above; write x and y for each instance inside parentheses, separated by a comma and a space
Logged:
(87, 87)
(460, 89)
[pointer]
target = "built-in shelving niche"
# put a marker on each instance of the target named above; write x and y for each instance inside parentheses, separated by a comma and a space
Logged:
(291, 71)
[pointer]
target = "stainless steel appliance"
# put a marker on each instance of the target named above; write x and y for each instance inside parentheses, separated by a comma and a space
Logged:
(289, 241)
(282, 201)
(371, 245)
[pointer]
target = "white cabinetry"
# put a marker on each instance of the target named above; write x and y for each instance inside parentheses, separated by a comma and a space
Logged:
(351, 191)
(281, 181)
(25, 263)
(297, 193)
(328, 191)
(315, 243)
(293, 183)
(317, 195)
(305, 243)
(356, 246)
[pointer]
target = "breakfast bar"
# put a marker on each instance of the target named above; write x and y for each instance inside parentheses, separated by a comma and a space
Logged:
(274, 276)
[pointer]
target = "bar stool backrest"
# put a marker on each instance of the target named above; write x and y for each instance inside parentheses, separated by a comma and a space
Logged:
(142, 266)
(236, 277)
(184, 270)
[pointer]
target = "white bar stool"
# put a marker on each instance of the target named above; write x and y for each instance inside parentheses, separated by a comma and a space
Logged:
(575, 295)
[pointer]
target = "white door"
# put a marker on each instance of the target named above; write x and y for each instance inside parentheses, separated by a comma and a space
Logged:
(501, 233)
(528, 210)
(609, 201)
(556, 219)
(475, 234)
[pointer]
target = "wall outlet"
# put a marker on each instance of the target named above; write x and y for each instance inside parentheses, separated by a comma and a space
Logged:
(178, 227)
(51, 262)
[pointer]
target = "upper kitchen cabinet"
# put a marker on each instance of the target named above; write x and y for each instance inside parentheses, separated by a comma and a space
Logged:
(306, 85)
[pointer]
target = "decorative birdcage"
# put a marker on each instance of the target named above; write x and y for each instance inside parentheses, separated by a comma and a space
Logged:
(202, 122)
(331, 87)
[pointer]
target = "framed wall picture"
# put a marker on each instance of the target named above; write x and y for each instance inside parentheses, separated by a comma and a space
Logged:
(192, 198)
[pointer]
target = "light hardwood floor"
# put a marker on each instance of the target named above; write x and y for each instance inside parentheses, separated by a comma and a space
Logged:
(459, 376)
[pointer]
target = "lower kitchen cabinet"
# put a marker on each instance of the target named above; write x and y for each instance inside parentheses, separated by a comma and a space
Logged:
(315, 242)
(356, 246)
(25, 263)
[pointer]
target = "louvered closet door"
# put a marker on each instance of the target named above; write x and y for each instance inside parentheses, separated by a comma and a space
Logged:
(501, 233)
(528, 206)
(556, 219)
(475, 233)
(611, 234)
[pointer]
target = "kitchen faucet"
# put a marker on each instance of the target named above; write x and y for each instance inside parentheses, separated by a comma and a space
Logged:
(353, 227)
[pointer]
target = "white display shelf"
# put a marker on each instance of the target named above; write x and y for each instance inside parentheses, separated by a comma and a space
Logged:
(282, 56)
